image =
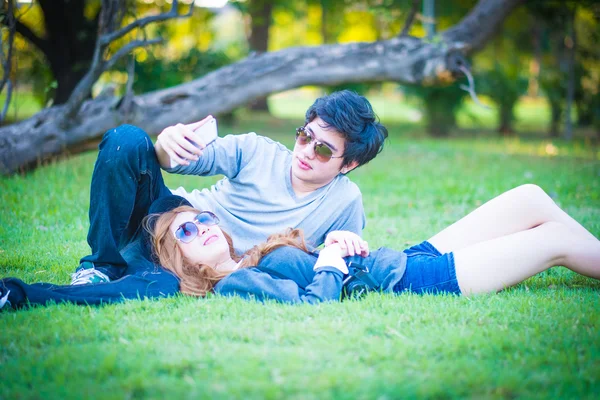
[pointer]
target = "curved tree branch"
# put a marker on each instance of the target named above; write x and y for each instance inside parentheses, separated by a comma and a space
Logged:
(140, 23)
(110, 16)
(401, 59)
(126, 103)
(31, 37)
(9, 88)
(411, 17)
(480, 24)
(6, 61)
(128, 48)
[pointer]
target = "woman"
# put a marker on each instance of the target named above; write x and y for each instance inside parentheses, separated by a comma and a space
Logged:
(510, 238)
(141, 279)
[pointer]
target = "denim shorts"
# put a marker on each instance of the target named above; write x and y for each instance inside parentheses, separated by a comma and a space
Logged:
(428, 271)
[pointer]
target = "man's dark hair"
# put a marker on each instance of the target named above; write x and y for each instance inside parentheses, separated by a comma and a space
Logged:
(353, 117)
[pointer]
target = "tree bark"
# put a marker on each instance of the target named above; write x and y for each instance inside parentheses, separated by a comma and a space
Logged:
(260, 13)
(571, 43)
(68, 45)
(406, 60)
(439, 121)
(555, 114)
(506, 118)
(481, 23)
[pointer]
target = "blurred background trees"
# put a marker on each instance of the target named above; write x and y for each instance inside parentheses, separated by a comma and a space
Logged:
(546, 58)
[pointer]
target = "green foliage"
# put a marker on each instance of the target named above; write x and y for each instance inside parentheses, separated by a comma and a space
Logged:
(360, 88)
(440, 103)
(194, 46)
(553, 20)
(587, 92)
(36, 72)
(23, 105)
(155, 73)
(537, 340)
(504, 85)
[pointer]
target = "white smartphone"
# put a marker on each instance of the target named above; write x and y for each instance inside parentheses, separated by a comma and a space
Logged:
(207, 133)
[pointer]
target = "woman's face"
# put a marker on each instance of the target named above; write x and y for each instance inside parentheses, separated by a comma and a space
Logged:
(209, 247)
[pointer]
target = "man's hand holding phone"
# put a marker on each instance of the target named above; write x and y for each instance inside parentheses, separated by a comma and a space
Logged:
(181, 144)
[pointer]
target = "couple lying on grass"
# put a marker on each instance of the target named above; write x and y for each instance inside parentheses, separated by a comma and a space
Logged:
(149, 241)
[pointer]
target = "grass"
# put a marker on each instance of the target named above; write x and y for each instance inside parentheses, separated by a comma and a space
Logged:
(23, 105)
(532, 115)
(536, 340)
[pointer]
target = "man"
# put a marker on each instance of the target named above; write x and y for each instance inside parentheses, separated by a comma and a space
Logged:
(267, 188)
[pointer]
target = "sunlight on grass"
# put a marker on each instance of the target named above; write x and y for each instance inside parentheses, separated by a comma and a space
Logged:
(532, 115)
(536, 340)
(530, 147)
(23, 105)
(389, 108)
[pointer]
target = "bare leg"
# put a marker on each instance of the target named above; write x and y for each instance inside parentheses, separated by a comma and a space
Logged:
(498, 263)
(516, 210)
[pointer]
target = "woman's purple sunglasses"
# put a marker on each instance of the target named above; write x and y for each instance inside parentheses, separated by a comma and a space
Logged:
(189, 230)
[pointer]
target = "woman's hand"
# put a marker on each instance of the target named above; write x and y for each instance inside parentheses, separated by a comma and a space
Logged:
(173, 143)
(350, 243)
(331, 256)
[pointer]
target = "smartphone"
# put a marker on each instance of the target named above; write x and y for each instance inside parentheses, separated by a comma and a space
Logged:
(207, 133)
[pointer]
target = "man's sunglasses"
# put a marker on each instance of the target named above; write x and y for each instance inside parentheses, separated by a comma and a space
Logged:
(189, 230)
(323, 152)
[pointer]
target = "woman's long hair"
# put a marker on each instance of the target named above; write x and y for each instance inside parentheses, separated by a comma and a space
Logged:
(198, 280)
(291, 237)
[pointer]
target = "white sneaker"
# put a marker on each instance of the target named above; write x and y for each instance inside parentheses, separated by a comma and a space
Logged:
(4, 299)
(86, 276)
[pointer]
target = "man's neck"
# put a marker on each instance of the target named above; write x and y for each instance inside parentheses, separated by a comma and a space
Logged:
(302, 188)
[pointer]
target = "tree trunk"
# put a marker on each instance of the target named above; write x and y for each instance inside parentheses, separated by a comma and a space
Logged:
(69, 44)
(555, 110)
(440, 112)
(506, 117)
(67, 77)
(585, 111)
(536, 63)
(439, 121)
(324, 15)
(570, 43)
(260, 13)
(405, 60)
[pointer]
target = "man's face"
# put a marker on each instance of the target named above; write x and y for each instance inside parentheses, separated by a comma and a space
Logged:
(306, 168)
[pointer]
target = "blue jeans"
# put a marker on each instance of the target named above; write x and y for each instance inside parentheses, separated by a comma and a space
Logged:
(127, 185)
(126, 180)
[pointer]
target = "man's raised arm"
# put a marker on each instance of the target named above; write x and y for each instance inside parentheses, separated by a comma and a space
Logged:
(175, 143)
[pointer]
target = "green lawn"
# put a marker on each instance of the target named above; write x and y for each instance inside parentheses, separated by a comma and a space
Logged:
(22, 105)
(537, 340)
(532, 116)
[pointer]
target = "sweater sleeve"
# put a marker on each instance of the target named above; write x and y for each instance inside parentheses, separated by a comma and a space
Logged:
(226, 156)
(251, 283)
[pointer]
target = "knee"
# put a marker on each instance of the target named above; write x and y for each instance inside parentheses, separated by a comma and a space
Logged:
(126, 145)
(126, 138)
(531, 190)
(533, 194)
